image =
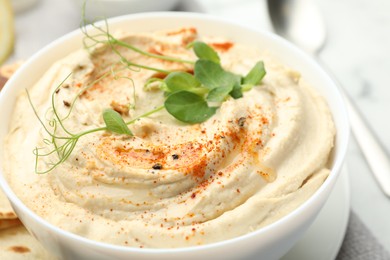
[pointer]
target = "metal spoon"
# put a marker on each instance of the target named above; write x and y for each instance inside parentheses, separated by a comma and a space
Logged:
(300, 21)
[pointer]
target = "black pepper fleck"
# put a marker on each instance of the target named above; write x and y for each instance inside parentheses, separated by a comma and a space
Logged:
(175, 156)
(80, 67)
(241, 121)
(157, 166)
(66, 103)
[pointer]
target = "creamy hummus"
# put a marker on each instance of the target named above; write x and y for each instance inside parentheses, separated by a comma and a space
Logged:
(171, 184)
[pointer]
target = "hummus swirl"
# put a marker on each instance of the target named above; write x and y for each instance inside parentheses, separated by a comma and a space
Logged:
(171, 184)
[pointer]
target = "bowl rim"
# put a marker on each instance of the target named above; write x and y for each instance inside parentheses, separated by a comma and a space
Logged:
(335, 170)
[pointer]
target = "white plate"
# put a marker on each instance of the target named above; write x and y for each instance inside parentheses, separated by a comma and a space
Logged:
(323, 239)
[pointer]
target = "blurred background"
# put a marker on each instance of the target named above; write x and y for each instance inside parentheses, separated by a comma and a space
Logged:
(357, 51)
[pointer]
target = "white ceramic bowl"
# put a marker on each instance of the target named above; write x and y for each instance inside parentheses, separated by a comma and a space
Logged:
(270, 242)
(97, 9)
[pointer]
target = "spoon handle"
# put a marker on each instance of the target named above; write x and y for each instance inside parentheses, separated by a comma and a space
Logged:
(375, 154)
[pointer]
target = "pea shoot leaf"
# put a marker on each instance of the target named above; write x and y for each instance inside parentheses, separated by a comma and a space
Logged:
(220, 82)
(219, 94)
(179, 80)
(212, 75)
(236, 91)
(255, 75)
(205, 52)
(115, 123)
(188, 107)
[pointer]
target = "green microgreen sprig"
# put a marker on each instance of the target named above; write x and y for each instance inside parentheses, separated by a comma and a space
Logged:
(190, 98)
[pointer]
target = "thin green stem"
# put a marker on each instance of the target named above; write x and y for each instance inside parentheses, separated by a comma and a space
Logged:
(36, 114)
(129, 63)
(53, 106)
(145, 53)
(82, 90)
(145, 115)
(90, 131)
